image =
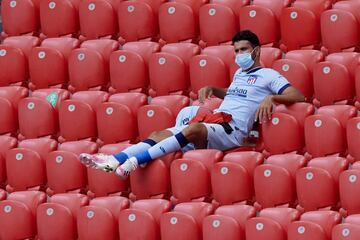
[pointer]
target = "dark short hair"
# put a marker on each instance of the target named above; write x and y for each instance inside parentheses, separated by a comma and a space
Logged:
(246, 35)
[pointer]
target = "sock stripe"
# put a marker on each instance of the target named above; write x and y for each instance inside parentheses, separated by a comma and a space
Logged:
(149, 141)
(181, 139)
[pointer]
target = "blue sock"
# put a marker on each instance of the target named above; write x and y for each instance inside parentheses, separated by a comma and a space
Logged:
(168, 145)
(133, 150)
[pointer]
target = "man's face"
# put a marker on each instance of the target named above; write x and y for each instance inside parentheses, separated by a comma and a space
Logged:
(244, 46)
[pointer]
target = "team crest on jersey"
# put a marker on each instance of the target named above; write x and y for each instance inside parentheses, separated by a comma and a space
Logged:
(251, 80)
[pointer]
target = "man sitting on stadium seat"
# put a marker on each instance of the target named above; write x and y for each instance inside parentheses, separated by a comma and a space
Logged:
(249, 98)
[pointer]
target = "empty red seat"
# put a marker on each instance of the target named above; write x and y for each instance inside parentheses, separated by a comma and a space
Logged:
(142, 219)
(218, 24)
(97, 19)
(18, 214)
(100, 219)
(57, 218)
(297, 74)
(300, 111)
(325, 131)
(137, 21)
(185, 221)
(253, 18)
(6, 143)
(272, 224)
(77, 116)
(317, 184)
(48, 63)
(20, 17)
(160, 114)
(279, 170)
(314, 225)
(269, 55)
(9, 99)
(25, 165)
(14, 53)
(101, 183)
(287, 130)
(64, 171)
(349, 229)
(357, 87)
(308, 57)
(129, 67)
(300, 28)
(343, 18)
(59, 18)
(349, 191)
(276, 6)
(40, 104)
(232, 179)
(228, 222)
(190, 176)
(89, 65)
(353, 134)
(169, 69)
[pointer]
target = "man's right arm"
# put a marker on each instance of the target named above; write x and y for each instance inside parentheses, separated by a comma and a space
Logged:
(211, 91)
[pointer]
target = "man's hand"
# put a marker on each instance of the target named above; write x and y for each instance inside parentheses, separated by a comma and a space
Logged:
(265, 109)
(205, 92)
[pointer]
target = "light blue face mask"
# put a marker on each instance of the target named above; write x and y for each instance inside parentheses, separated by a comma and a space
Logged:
(244, 60)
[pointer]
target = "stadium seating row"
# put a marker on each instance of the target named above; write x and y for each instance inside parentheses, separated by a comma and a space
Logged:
(301, 24)
(69, 216)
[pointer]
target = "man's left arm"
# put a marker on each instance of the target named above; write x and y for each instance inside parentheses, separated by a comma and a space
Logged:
(288, 96)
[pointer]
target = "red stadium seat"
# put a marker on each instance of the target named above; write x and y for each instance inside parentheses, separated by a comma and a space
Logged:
(253, 18)
(272, 224)
(227, 54)
(101, 183)
(173, 60)
(38, 105)
(357, 87)
(300, 28)
(288, 132)
(353, 137)
(276, 6)
(308, 57)
(178, 22)
(300, 111)
(185, 221)
(64, 171)
(20, 17)
(137, 21)
(343, 18)
(218, 24)
(232, 179)
(2, 195)
(14, 53)
(314, 225)
(9, 99)
(349, 229)
(228, 222)
(142, 220)
(154, 4)
(89, 65)
(57, 218)
(18, 213)
(160, 114)
(129, 67)
(297, 74)
(6, 143)
(25, 165)
(330, 124)
(269, 55)
(48, 63)
(97, 19)
(279, 170)
(235, 5)
(100, 219)
(349, 191)
(59, 18)
(317, 184)
(77, 116)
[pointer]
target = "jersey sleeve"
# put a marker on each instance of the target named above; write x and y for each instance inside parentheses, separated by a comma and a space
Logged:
(278, 84)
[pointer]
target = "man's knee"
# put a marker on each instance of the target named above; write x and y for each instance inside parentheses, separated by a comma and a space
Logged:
(195, 132)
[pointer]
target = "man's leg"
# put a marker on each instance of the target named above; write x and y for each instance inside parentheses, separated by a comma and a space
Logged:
(111, 162)
(195, 133)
